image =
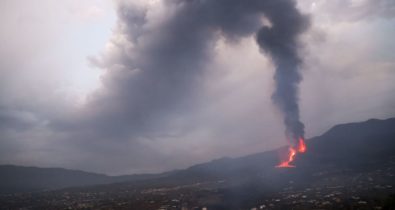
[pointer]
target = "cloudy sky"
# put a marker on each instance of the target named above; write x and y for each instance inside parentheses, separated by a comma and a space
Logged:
(130, 87)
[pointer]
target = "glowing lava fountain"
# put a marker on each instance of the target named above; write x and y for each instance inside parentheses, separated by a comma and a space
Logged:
(292, 151)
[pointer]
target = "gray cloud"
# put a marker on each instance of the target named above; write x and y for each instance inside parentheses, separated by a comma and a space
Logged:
(351, 10)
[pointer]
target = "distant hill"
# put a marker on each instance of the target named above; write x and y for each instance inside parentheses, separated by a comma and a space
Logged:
(353, 143)
(15, 179)
(23, 179)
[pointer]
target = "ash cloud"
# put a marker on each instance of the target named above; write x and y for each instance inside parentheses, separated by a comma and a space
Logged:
(157, 65)
(281, 42)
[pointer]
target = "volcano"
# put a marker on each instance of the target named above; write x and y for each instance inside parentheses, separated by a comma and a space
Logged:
(349, 167)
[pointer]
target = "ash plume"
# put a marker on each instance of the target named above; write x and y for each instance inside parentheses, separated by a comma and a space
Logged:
(281, 42)
(159, 59)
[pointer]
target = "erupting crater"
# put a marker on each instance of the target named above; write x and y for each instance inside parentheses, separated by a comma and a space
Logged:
(292, 152)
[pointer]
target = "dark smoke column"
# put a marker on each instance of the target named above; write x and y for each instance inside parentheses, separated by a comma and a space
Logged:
(156, 66)
(280, 41)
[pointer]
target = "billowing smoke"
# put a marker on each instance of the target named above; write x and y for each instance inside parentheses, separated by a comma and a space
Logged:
(281, 42)
(159, 59)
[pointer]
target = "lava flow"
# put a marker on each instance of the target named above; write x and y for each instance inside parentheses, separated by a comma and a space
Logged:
(292, 151)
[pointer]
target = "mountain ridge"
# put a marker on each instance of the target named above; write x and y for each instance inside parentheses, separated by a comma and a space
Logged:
(362, 144)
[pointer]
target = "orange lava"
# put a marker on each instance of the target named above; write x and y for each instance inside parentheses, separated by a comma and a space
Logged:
(287, 163)
(302, 146)
(292, 151)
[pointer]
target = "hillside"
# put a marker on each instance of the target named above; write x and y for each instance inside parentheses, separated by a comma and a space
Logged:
(352, 143)
(351, 166)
